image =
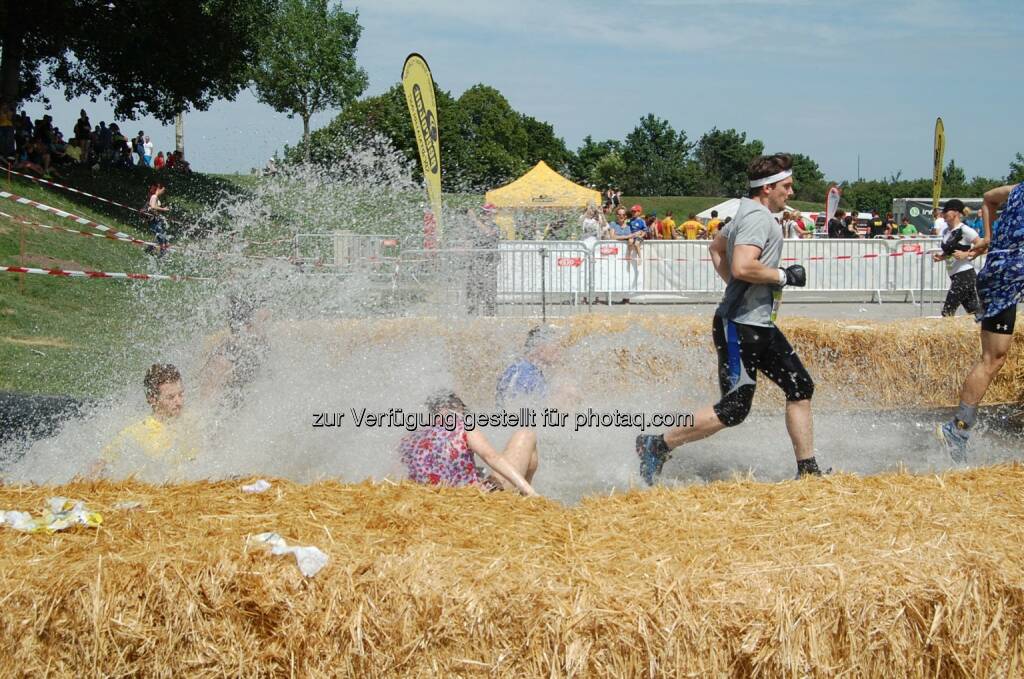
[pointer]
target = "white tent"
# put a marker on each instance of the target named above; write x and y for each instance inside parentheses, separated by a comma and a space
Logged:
(728, 209)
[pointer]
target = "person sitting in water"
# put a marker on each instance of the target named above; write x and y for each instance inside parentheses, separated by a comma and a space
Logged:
(524, 378)
(442, 454)
(236, 361)
(160, 440)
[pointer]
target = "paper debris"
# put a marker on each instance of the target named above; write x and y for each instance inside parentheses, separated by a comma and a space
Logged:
(309, 559)
(256, 487)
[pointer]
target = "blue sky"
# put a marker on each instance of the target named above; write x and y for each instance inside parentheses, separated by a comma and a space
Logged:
(828, 79)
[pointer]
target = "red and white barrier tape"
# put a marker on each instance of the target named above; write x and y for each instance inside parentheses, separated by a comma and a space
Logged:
(64, 273)
(50, 182)
(63, 213)
(109, 236)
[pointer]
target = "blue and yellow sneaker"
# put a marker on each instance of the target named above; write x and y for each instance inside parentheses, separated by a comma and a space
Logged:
(955, 440)
(653, 455)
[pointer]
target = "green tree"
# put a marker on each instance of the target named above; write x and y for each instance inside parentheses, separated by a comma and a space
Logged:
(953, 179)
(97, 47)
(610, 170)
(308, 62)
(542, 144)
(808, 179)
(722, 158)
(656, 159)
(1016, 170)
(587, 156)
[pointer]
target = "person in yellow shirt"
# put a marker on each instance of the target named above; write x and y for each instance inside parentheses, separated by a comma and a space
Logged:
(668, 227)
(160, 444)
(713, 225)
(691, 228)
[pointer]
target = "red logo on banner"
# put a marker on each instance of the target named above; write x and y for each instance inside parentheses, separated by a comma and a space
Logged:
(389, 242)
(911, 247)
(429, 231)
(570, 261)
(609, 249)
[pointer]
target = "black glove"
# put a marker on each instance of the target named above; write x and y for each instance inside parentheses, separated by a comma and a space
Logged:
(795, 276)
(953, 244)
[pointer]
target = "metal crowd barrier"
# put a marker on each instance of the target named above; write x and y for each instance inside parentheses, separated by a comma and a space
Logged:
(345, 249)
(540, 277)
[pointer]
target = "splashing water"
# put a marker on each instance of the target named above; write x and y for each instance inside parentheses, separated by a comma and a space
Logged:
(333, 344)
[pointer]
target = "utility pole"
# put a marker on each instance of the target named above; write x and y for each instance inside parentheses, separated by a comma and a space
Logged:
(179, 133)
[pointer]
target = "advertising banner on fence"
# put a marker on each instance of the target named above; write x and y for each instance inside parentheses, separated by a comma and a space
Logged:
(419, 95)
(939, 151)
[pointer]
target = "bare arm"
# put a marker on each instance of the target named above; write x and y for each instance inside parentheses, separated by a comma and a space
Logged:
(479, 444)
(746, 266)
(717, 249)
(993, 199)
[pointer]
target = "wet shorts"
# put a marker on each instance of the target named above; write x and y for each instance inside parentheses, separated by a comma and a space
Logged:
(1002, 323)
(743, 350)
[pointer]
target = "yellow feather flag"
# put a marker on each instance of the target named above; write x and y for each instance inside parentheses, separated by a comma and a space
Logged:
(419, 95)
(940, 150)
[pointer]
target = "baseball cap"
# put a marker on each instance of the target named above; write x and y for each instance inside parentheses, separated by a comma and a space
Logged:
(636, 208)
(490, 207)
(953, 204)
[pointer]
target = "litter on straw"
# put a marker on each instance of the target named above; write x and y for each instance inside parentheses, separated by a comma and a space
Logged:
(60, 513)
(309, 559)
(256, 487)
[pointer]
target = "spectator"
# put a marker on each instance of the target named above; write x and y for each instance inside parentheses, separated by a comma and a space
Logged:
(442, 453)
(83, 133)
(37, 158)
(147, 151)
(877, 227)
(691, 228)
(621, 230)
(906, 228)
(8, 145)
(713, 224)
(104, 142)
(180, 163)
(138, 148)
(939, 224)
(591, 225)
(653, 227)
(158, 162)
(668, 226)
(836, 226)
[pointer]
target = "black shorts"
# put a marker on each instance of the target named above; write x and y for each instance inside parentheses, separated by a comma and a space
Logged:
(1002, 323)
(743, 350)
(963, 291)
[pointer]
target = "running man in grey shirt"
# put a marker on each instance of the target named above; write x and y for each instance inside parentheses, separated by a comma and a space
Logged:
(746, 255)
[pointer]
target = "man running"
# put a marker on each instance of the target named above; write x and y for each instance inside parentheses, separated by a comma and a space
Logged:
(1000, 287)
(746, 255)
(957, 239)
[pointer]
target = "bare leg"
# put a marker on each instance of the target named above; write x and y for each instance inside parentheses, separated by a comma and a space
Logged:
(705, 423)
(521, 453)
(993, 354)
(801, 428)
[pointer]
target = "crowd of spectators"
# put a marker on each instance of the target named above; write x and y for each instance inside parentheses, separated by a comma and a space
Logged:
(41, 148)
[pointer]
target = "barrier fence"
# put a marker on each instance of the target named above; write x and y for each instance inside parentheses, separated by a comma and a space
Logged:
(542, 277)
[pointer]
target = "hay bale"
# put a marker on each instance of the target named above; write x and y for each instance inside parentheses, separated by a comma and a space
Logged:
(868, 365)
(893, 575)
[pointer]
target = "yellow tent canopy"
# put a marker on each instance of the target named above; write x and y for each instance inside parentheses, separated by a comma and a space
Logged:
(542, 187)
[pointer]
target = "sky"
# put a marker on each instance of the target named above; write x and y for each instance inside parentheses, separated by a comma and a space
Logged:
(836, 81)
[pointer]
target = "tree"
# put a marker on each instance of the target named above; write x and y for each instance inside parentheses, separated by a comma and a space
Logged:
(722, 158)
(584, 162)
(953, 179)
(308, 61)
(92, 47)
(656, 159)
(1016, 170)
(542, 144)
(808, 179)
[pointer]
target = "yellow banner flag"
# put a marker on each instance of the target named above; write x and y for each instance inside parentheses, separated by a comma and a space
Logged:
(419, 95)
(940, 150)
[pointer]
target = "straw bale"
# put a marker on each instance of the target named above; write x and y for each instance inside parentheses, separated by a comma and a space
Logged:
(867, 364)
(887, 576)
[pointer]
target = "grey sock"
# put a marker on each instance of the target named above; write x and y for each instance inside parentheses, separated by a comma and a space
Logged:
(966, 416)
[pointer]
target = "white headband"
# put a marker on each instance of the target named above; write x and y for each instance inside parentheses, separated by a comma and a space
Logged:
(764, 181)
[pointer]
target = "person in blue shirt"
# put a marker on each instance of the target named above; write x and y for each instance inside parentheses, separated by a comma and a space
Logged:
(524, 378)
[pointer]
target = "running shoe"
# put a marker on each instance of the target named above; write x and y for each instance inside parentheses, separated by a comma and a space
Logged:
(653, 454)
(955, 441)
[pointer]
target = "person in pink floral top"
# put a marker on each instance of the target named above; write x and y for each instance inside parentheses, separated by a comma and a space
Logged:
(443, 454)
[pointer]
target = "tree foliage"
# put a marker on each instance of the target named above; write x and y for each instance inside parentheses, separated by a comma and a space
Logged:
(808, 180)
(722, 158)
(308, 61)
(655, 156)
(1016, 170)
(150, 56)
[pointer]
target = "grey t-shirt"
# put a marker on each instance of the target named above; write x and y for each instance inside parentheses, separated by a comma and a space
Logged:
(743, 302)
